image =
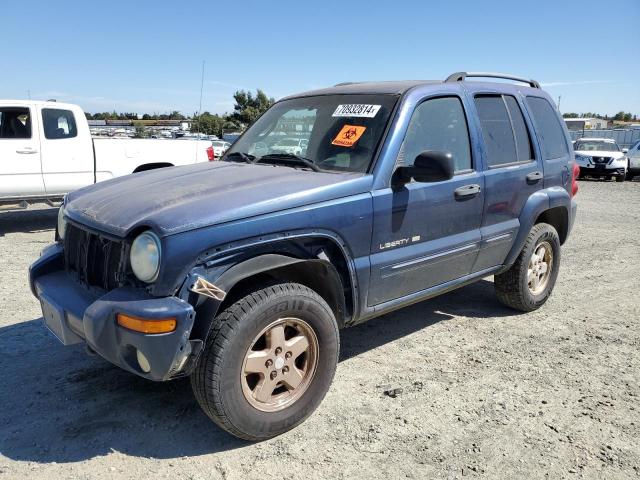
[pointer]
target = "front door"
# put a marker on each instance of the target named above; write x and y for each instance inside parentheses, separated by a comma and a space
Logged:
(20, 170)
(426, 234)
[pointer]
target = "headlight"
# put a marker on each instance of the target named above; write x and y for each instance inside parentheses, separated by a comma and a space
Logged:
(145, 256)
(62, 223)
(582, 158)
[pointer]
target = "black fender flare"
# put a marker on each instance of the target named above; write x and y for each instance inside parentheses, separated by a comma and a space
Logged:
(253, 266)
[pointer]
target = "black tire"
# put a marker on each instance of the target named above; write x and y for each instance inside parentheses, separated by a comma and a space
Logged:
(620, 178)
(512, 286)
(630, 176)
(216, 380)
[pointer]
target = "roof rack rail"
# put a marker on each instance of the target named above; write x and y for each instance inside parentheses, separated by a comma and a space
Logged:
(462, 76)
(342, 84)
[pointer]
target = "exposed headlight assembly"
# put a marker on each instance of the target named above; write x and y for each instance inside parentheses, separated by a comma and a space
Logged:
(62, 223)
(145, 256)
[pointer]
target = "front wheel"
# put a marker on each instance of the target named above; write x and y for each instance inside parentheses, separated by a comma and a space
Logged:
(268, 362)
(530, 280)
(620, 178)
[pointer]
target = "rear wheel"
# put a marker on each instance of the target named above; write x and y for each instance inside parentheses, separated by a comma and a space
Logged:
(268, 362)
(530, 280)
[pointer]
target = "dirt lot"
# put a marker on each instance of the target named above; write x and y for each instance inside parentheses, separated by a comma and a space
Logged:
(486, 392)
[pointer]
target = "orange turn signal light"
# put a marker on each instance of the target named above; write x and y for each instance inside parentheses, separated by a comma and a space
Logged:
(143, 325)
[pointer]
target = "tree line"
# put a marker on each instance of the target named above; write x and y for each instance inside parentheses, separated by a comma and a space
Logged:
(620, 116)
(247, 108)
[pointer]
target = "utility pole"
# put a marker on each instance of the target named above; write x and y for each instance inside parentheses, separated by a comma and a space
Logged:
(200, 107)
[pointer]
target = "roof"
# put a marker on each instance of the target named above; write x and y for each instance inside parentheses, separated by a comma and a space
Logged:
(32, 103)
(395, 87)
(584, 119)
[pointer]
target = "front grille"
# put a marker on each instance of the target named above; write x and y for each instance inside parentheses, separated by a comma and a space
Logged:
(96, 261)
(601, 160)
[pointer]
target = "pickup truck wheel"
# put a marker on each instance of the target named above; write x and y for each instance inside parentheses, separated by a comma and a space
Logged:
(268, 362)
(530, 280)
(620, 178)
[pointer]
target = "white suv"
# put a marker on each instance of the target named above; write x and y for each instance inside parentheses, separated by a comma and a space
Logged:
(634, 161)
(601, 157)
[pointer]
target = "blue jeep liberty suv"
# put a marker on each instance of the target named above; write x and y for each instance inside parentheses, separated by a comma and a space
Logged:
(336, 206)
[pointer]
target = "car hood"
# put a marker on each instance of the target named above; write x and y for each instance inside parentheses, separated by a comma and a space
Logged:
(176, 199)
(600, 153)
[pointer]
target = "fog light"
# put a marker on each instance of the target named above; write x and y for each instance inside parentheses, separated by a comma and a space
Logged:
(143, 362)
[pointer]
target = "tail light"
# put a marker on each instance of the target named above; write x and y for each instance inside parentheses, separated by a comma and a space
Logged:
(574, 179)
(210, 155)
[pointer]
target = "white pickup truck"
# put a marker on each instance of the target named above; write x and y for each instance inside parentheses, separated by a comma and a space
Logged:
(46, 151)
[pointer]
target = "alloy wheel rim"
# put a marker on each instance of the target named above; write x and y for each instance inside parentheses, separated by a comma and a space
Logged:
(280, 364)
(540, 267)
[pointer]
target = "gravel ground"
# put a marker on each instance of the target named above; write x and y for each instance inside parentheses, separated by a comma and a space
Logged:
(486, 392)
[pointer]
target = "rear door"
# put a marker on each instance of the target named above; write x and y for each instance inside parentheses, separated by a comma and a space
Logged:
(426, 234)
(67, 150)
(512, 172)
(20, 169)
(553, 138)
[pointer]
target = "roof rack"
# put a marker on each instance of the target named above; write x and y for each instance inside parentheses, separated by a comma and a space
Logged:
(462, 76)
(342, 84)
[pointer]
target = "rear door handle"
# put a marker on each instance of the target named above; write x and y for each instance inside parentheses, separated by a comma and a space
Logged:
(467, 191)
(27, 151)
(534, 177)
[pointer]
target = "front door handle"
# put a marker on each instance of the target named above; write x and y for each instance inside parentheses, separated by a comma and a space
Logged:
(27, 151)
(534, 177)
(467, 191)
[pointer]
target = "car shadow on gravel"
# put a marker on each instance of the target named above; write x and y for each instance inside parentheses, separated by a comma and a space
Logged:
(25, 221)
(61, 405)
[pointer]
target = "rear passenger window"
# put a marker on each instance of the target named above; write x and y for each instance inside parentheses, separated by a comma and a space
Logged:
(438, 124)
(15, 122)
(58, 124)
(523, 143)
(548, 128)
(503, 129)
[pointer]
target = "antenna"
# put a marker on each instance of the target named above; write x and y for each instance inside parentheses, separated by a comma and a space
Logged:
(559, 98)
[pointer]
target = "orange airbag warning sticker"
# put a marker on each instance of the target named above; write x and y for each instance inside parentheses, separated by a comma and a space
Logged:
(348, 136)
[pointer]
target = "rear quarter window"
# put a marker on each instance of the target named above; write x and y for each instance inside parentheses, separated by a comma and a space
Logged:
(58, 124)
(550, 134)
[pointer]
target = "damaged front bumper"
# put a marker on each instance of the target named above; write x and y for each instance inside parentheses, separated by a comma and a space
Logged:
(75, 314)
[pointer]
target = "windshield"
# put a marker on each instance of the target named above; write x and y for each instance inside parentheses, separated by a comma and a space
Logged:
(595, 145)
(334, 132)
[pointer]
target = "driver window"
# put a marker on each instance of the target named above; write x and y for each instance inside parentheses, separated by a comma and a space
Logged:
(438, 124)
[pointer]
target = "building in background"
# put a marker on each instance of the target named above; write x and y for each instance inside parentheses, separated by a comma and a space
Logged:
(586, 123)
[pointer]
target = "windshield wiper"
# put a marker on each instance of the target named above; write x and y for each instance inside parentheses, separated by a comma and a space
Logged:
(245, 157)
(288, 158)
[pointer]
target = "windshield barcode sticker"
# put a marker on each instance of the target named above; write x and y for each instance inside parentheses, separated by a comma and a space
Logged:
(356, 110)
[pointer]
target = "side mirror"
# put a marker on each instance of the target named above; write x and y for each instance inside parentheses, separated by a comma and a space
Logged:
(625, 150)
(429, 166)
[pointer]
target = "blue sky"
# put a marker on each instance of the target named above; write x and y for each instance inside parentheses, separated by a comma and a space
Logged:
(146, 56)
